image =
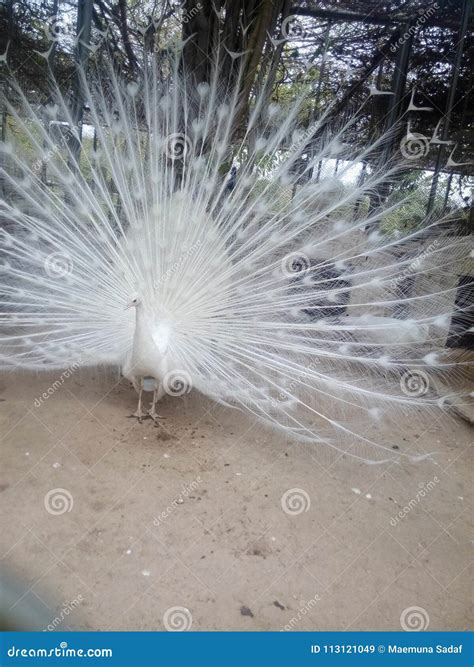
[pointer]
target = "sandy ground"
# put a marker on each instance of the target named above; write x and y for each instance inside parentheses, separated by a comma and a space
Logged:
(191, 516)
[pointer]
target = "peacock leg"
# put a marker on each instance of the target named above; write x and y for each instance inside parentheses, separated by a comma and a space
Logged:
(152, 413)
(138, 413)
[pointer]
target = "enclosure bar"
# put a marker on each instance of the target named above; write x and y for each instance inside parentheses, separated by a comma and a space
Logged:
(466, 11)
(83, 35)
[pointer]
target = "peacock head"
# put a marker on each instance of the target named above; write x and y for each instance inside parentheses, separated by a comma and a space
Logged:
(133, 303)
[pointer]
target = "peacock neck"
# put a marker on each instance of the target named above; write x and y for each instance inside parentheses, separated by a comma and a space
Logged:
(141, 324)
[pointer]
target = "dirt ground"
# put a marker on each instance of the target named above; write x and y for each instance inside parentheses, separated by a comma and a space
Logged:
(212, 523)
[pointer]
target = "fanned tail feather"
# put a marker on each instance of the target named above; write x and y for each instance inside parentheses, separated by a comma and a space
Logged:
(283, 291)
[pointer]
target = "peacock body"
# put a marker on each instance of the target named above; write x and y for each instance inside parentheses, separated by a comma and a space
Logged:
(253, 279)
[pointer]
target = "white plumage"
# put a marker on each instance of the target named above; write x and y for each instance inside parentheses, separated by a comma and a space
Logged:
(148, 358)
(276, 295)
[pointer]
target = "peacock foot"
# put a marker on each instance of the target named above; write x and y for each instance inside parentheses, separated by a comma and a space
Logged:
(138, 415)
(155, 416)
